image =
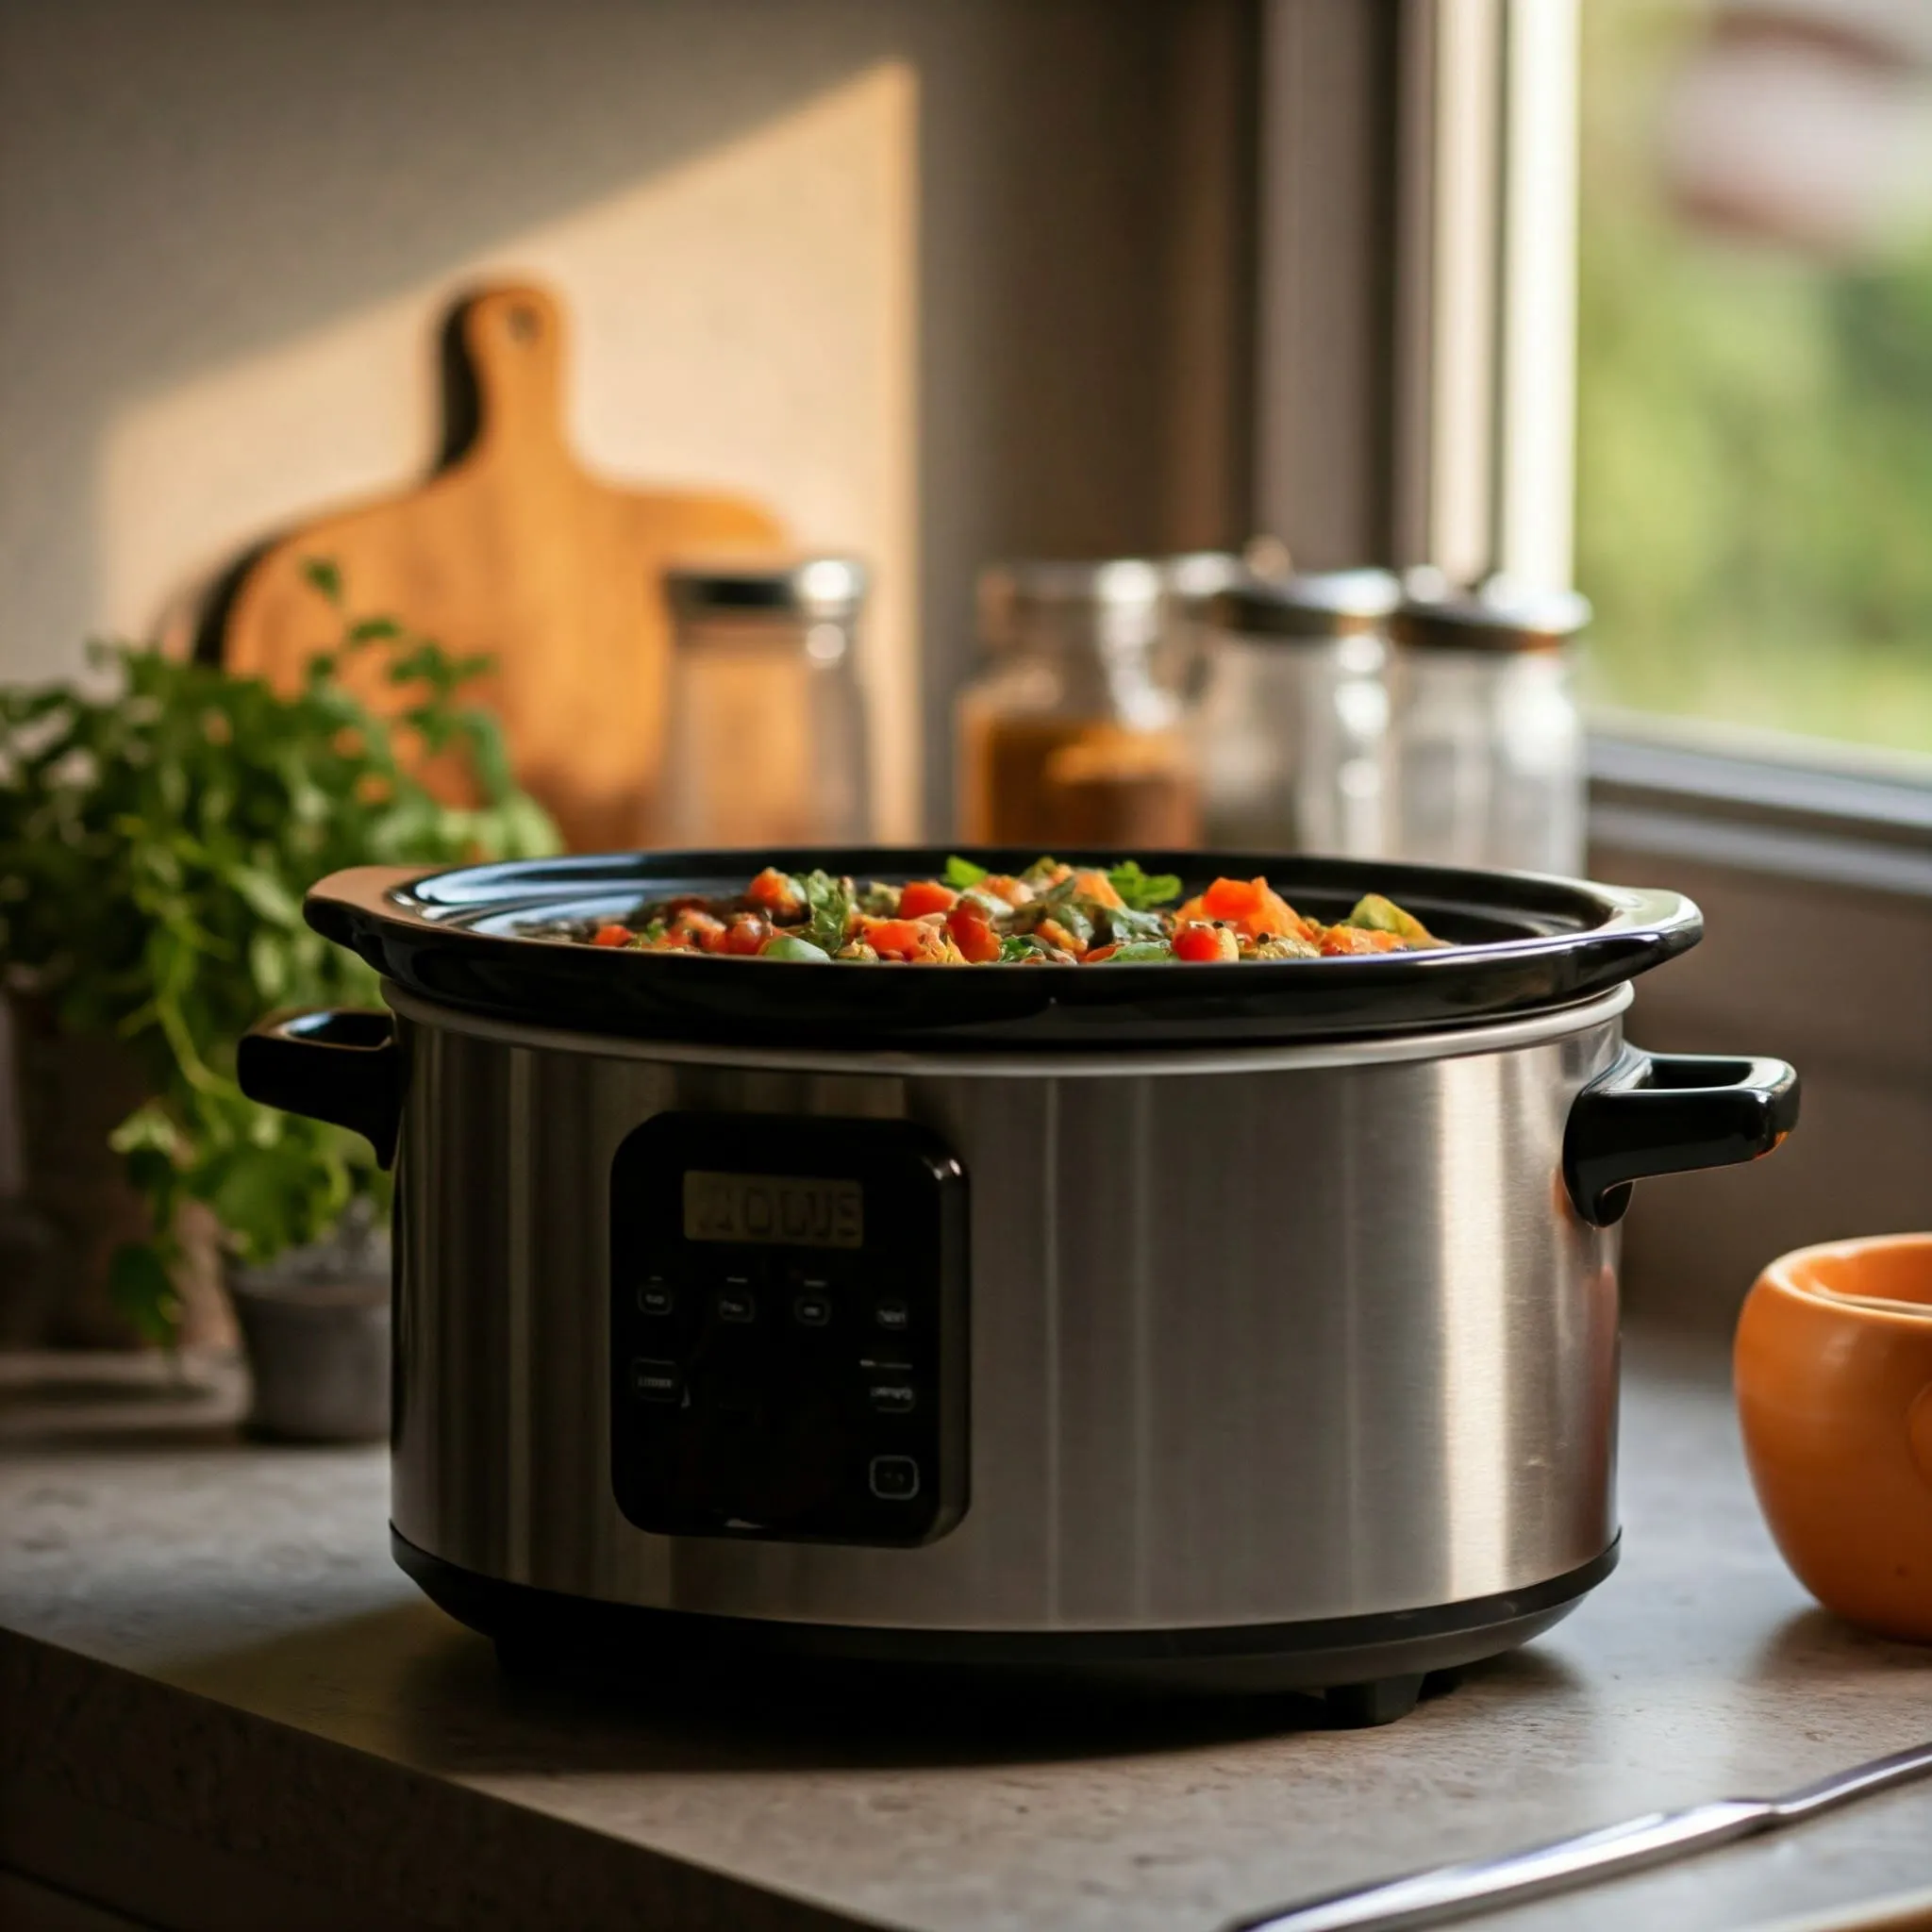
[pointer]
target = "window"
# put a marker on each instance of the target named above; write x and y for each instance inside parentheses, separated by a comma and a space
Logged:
(1754, 362)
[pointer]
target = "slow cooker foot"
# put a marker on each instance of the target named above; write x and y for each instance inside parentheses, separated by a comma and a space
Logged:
(1381, 1701)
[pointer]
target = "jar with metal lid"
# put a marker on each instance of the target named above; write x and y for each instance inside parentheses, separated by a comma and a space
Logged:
(1074, 733)
(1293, 727)
(1489, 741)
(766, 733)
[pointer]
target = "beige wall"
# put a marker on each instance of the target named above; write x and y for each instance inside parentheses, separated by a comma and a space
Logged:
(937, 277)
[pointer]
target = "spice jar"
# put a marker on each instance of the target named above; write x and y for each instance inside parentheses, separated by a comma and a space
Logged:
(1074, 735)
(1292, 726)
(1489, 742)
(766, 734)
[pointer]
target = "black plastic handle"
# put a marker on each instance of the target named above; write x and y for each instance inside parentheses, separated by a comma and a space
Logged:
(339, 1064)
(1654, 1113)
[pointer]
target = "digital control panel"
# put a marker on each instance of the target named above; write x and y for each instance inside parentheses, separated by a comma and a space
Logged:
(788, 1341)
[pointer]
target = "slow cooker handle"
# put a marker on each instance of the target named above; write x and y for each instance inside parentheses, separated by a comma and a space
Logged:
(1653, 1114)
(339, 1064)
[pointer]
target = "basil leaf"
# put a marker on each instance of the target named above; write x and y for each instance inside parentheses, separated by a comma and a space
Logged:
(961, 873)
(1124, 926)
(1141, 891)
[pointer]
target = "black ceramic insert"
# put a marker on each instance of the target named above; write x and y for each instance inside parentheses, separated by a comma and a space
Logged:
(464, 939)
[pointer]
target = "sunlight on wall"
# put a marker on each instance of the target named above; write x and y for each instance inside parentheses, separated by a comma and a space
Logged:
(745, 320)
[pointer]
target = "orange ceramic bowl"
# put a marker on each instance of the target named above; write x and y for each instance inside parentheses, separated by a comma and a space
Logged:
(1834, 1375)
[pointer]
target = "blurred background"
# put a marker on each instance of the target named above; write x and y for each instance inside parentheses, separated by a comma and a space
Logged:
(1498, 298)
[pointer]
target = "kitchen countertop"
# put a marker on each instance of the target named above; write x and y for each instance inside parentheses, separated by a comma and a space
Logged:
(223, 1705)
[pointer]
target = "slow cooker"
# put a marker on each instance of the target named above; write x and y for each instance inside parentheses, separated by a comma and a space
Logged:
(1241, 1326)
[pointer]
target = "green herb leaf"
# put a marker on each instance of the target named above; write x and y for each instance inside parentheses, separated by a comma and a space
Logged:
(265, 895)
(1139, 953)
(961, 873)
(140, 1285)
(1374, 913)
(159, 823)
(323, 574)
(1143, 891)
(787, 945)
(829, 904)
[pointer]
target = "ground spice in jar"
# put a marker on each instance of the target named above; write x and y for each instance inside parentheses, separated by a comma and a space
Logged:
(1074, 734)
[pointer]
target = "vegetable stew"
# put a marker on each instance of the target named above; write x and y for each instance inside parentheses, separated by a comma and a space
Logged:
(1050, 914)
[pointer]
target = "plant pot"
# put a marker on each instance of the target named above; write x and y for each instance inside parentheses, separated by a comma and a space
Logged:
(316, 1325)
(76, 1207)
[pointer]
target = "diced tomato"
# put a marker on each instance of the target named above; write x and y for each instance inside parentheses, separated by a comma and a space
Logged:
(611, 936)
(1057, 936)
(1202, 944)
(1252, 905)
(776, 894)
(924, 895)
(747, 933)
(972, 933)
(1097, 954)
(1336, 940)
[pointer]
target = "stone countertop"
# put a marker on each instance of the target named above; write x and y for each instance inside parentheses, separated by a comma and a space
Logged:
(209, 1664)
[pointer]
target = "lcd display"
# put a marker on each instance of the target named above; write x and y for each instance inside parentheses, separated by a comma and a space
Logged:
(788, 1209)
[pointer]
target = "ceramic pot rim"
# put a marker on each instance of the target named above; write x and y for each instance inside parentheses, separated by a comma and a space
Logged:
(1784, 1271)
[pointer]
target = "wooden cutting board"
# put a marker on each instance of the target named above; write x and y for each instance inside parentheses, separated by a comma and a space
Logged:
(513, 549)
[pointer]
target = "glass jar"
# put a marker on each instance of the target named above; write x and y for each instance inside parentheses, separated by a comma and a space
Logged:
(1489, 742)
(766, 735)
(1074, 734)
(1293, 727)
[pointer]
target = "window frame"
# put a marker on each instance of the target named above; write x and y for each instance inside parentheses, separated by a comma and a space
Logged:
(1416, 390)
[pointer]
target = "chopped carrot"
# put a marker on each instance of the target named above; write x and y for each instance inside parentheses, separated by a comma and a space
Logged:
(1098, 887)
(903, 939)
(692, 927)
(972, 933)
(776, 894)
(924, 895)
(1252, 905)
(1058, 937)
(1336, 940)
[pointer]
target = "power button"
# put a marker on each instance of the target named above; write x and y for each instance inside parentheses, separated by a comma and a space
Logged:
(894, 1478)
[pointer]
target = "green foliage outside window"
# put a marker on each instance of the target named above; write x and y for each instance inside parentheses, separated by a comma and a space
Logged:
(1755, 443)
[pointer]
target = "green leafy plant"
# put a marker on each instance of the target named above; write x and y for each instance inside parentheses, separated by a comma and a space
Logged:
(158, 827)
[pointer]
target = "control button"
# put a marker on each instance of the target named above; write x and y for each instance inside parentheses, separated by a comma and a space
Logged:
(892, 1314)
(812, 1310)
(736, 1302)
(894, 1478)
(654, 1381)
(656, 1296)
(893, 1398)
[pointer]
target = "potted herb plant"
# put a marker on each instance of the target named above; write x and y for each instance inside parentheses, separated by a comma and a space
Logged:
(158, 825)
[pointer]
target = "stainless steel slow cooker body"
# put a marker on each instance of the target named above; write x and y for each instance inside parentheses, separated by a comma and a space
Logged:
(1275, 1364)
